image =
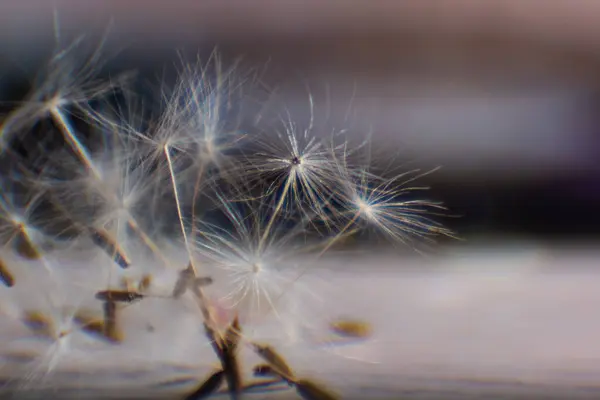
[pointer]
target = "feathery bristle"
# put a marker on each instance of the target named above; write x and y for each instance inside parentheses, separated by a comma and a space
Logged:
(187, 208)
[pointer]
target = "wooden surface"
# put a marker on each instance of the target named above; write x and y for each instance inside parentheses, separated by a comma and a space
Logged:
(485, 323)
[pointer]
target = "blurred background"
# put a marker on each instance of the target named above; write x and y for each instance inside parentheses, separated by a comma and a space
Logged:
(502, 94)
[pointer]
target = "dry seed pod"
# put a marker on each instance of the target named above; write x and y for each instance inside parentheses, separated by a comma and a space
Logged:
(5, 275)
(111, 329)
(214, 341)
(232, 335)
(145, 283)
(96, 327)
(183, 281)
(89, 323)
(187, 279)
(24, 247)
(39, 323)
(352, 328)
(208, 387)
(110, 313)
(102, 239)
(231, 368)
(307, 389)
(310, 390)
(225, 348)
(83, 316)
(120, 296)
(276, 360)
(226, 351)
(99, 328)
(179, 289)
(233, 374)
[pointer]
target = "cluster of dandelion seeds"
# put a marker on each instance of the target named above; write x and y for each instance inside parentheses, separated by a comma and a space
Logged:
(179, 202)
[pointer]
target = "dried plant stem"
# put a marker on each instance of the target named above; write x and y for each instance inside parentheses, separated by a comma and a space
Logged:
(275, 214)
(167, 152)
(63, 122)
(203, 303)
(68, 132)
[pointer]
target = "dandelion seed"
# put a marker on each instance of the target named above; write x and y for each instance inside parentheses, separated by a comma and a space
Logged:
(203, 303)
(208, 387)
(307, 388)
(254, 268)
(369, 201)
(24, 247)
(269, 190)
(17, 228)
(230, 360)
(54, 323)
(226, 350)
(209, 110)
(111, 327)
(386, 206)
(5, 275)
(199, 120)
(300, 164)
(232, 335)
(275, 360)
(103, 240)
(121, 296)
(40, 370)
(186, 280)
(39, 323)
(108, 204)
(128, 180)
(183, 282)
(96, 326)
(351, 328)
(68, 83)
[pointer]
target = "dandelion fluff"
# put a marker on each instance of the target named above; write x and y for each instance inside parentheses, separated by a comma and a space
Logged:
(187, 209)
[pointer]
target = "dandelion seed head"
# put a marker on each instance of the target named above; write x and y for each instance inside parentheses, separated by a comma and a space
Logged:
(18, 226)
(256, 268)
(389, 206)
(365, 209)
(242, 199)
(198, 119)
(299, 166)
(68, 82)
(250, 268)
(47, 315)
